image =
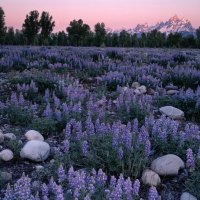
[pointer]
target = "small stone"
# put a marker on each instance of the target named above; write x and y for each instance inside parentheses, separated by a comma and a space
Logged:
(39, 167)
(136, 91)
(187, 196)
(171, 87)
(167, 165)
(142, 89)
(1, 137)
(35, 150)
(10, 136)
(172, 112)
(5, 177)
(150, 91)
(150, 178)
(33, 135)
(135, 85)
(172, 92)
(6, 155)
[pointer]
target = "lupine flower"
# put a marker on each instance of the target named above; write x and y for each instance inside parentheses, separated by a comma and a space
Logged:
(22, 188)
(61, 174)
(66, 146)
(68, 131)
(59, 193)
(101, 178)
(87, 197)
(190, 163)
(48, 111)
(45, 190)
(120, 153)
(153, 194)
(113, 182)
(128, 189)
(85, 147)
(147, 148)
(136, 187)
(9, 193)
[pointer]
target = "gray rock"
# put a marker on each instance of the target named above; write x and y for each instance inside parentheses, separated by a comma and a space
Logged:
(172, 92)
(142, 89)
(167, 165)
(135, 85)
(171, 87)
(39, 167)
(33, 135)
(5, 177)
(187, 196)
(35, 150)
(6, 155)
(172, 112)
(10, 136)
(150, 178)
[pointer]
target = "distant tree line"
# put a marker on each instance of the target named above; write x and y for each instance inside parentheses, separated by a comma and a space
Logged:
(38, 30)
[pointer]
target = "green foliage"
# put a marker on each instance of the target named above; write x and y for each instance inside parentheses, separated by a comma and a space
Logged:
(31, 26)
(2, 25)
(77, 32)
(45, 126)
(46, 25)
(17, 115)
(192, 184)
(100, 33)
(188, 105)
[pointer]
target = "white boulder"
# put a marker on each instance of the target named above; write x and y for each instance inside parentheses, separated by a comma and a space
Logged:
(150, 178)
(35, 150)
(34, 135)
(167, 165)
(172, 112)
(6, 155)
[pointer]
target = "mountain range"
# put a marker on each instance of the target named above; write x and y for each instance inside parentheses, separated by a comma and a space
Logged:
(173, 25)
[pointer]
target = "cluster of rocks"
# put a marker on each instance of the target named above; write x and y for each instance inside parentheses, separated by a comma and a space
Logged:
(139, 89)
(35, 149)
(168, 165)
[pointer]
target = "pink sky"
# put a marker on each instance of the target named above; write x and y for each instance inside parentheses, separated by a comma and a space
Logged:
(116, 14)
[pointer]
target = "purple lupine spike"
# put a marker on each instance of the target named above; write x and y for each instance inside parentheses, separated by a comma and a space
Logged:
(66, 146)
(13, 98)
(22, 188)
(68, 131)
(147, 148)
(136, 187)
(135, 125)
(9, 193)
(48, 111)
(128, 189)
(52, 184)
(78, 129)
(120, 153)
(21, 99)
(85, 147)
(101, 178)
(116, 194)
(190, 163)
(61, 174)
(59, 193)
(153, 194)
(45, 190)
(113, 182)
(89, 126)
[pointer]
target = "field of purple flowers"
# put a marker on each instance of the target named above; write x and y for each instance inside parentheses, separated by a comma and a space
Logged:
(99, 123)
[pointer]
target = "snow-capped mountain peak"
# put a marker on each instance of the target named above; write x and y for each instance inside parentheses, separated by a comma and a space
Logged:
(173, 25)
